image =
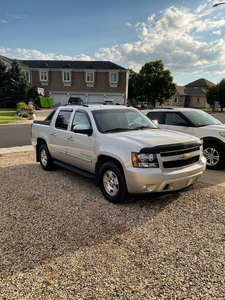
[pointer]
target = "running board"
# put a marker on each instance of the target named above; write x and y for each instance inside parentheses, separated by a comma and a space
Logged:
(74, 169)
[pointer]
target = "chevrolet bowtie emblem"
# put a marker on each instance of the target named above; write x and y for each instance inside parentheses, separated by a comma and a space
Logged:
(185, 156)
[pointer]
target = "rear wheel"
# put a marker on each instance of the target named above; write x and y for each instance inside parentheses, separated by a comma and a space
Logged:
(112, 183)
(46, 160)
(214, 155)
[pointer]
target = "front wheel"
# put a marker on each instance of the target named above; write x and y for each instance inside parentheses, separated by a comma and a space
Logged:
(45, 158)
(112, 183)
(214, 155)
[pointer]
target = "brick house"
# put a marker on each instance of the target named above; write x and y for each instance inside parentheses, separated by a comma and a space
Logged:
(192, 94)
(92, 81)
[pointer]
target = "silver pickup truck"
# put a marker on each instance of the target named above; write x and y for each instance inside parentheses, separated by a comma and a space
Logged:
(119, 147)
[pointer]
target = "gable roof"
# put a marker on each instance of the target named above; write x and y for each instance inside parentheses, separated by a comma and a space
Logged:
(202, 82)
(74, 64)
(189, 91)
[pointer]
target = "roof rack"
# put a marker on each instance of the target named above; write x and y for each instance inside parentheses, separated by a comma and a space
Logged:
(87, 104)
(151, 108)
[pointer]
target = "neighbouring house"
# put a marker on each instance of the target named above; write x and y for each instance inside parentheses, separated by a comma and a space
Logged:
(92, 81)
(192, 94)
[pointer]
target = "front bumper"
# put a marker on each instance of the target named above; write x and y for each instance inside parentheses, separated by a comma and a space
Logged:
(153, 180)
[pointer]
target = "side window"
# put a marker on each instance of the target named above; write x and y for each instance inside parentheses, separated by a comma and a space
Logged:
(173, 119)
(63, 119)
(81, 118)
(157, 115)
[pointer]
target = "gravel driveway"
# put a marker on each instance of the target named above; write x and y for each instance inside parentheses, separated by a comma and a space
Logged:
(60, 239)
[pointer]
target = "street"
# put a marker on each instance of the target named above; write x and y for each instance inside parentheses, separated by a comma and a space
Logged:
(14, 135)
(18, 134)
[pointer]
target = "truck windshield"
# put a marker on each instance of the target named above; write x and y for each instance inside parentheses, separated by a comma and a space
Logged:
(114, 120)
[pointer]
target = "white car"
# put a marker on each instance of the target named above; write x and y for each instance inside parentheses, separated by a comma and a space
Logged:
(198, 123)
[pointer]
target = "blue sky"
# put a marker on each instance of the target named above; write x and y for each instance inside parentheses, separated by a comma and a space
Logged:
(188, 36)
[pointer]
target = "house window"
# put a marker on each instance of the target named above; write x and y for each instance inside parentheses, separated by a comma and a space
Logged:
(175, 100)
(90, 77)
(113, 78)
(43, 75)
(189, 99)
(198, 100)
(181, 100)
(27, 75)
(66, 76)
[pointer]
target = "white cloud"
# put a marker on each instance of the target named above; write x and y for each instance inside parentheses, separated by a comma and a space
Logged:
(217, 32)
(3, 21)
(174, 38)
(4, 51)
(35, 54)
(15, 16)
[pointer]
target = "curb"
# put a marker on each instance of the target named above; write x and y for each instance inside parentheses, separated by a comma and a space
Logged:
(16, 149)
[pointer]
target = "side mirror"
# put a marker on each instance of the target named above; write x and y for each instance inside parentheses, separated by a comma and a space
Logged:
(84, 129)
(155, 122)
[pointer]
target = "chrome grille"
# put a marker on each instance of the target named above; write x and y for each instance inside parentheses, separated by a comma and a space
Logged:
(180, 158)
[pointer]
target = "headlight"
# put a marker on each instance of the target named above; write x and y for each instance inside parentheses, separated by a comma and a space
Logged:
(222, 133)
(144, 160)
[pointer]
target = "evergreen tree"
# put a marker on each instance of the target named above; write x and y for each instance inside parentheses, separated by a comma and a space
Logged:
(18, 84)
(4, 85)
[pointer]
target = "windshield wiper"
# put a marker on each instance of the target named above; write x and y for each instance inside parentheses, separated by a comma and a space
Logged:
(117, 129)
(143, 127)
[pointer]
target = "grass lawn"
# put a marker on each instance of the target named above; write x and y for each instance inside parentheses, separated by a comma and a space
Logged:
(8, 115)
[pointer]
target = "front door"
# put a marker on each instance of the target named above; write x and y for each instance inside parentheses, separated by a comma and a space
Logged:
(80, 147)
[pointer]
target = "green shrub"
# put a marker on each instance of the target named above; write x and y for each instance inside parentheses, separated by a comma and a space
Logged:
(21, 106)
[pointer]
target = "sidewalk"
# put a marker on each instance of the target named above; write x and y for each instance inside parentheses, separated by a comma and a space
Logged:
(16, 149)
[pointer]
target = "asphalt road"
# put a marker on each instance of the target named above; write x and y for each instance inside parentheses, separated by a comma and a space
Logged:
(14, 135)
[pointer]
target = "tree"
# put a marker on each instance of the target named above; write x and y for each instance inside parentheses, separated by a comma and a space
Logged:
(18, 84)
(212, 94)
(221, 95)
(216, 93)
(154, 84)
(31, 92)
(4, 84)
(132, 96)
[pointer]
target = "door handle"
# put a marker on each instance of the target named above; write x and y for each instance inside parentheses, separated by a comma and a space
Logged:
(54, 134)
(70, 138)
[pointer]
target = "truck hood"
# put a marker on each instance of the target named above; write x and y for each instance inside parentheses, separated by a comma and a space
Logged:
(149, 138)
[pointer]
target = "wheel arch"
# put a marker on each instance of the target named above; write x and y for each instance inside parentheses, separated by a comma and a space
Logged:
(40, 142)
(103, 159)
(214, 140)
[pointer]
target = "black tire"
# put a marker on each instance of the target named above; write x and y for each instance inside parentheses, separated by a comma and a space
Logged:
(215, 156)
(46, 160)
(112, 183)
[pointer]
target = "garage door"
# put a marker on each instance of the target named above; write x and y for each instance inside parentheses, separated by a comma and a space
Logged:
(95, 98)
(59, 98)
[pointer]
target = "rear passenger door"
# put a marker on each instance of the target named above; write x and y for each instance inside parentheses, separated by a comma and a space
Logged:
(59, 134)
